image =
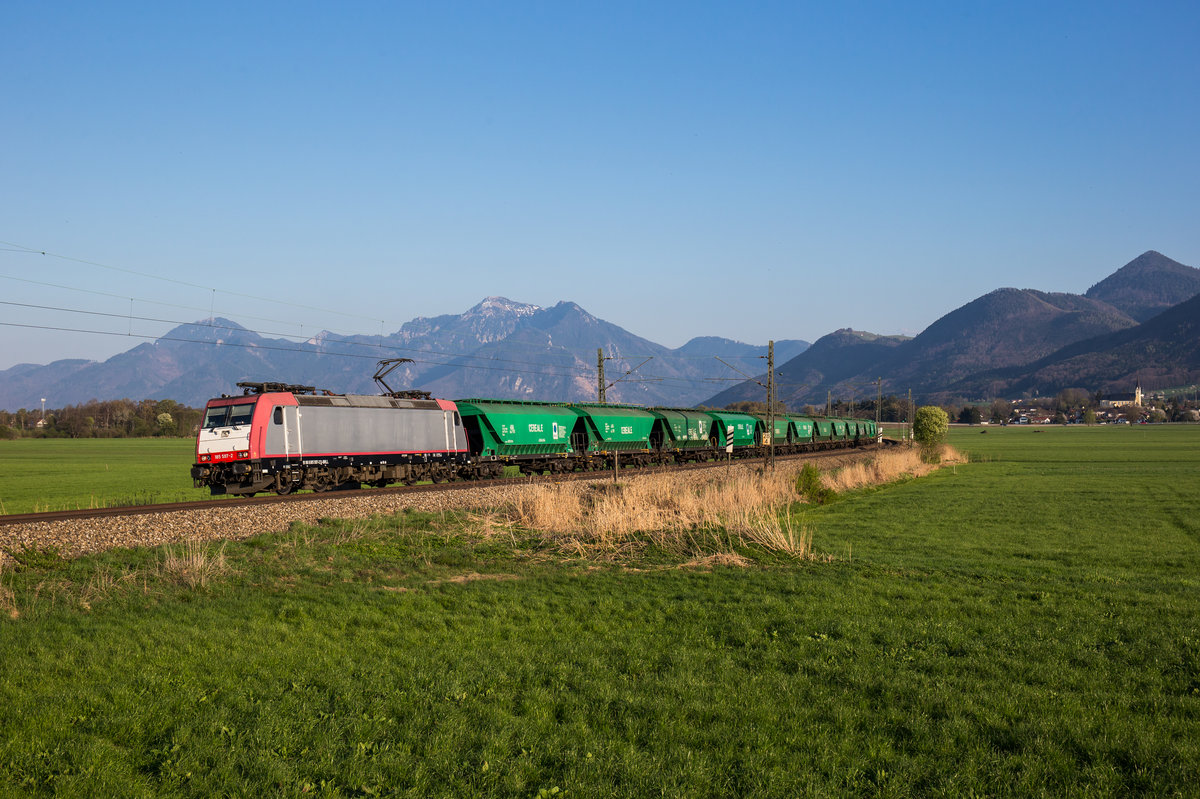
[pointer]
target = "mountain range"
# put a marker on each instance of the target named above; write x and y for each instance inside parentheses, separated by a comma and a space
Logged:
(1137, 322)
(499, 348)
(1013, 342)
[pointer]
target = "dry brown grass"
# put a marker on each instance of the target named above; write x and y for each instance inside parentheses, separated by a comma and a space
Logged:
(720, 510)
(720, 559)
(102, 585)
(192, 564)
(888, 467)
(8, 600)
(681, 515)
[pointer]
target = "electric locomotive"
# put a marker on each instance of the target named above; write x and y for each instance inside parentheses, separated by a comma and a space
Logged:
(282, 438)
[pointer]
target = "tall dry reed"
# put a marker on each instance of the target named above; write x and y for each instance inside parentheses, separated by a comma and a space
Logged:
(692, 512)
(888, 466)
(676, 512)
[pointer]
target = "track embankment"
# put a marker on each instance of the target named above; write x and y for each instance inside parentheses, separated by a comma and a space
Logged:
(149, 526)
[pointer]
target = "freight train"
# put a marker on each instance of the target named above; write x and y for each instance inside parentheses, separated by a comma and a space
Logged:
(282, 438)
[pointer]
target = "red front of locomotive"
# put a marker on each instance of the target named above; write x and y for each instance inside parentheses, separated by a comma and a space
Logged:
(229, 446)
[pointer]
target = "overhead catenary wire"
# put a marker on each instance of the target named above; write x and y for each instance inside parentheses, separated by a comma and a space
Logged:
(22, 249)
(178, 282)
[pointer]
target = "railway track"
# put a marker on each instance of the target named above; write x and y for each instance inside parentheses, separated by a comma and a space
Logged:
(233, 503)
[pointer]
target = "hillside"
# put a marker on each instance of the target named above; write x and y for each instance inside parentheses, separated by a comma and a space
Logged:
(832, 363)
(1162, 351)
(1007, 327)
(1148, 285)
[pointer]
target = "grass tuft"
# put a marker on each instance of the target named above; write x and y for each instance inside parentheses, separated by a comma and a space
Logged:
(192, 564)
(8, 599)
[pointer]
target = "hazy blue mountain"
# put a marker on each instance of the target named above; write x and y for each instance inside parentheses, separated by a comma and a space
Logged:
(499, 348)
(834, 363)
(714, 346)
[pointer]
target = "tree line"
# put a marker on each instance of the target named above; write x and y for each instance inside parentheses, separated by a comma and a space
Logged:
(121, 418)
(1068, 405)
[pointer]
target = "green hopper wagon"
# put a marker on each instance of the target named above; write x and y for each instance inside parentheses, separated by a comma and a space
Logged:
(745, 428)
(536, 435)
(683, 430)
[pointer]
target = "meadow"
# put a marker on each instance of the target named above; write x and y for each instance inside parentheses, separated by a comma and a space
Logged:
(49, 474)
(1025, 624)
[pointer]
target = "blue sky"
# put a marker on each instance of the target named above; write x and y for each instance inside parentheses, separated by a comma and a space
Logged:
(679, 169)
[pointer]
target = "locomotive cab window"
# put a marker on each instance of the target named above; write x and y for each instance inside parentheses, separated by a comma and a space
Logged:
(228, 415)
(278, 415)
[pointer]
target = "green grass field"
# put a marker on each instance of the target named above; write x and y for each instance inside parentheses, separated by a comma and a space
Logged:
(46, 474)
(1024, 625)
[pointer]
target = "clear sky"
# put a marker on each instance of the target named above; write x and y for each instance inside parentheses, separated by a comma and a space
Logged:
(679, 169)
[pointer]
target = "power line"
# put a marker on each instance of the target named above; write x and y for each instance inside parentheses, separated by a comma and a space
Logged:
(575, 367)
(241, 329)
(176, 281)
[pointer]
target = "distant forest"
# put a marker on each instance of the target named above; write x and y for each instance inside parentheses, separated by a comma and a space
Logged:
(121, 418)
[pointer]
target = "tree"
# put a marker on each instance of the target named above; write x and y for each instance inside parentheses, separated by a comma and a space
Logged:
(930, 426)
(1000, 411)
(1089, 416)
(970, 414)
(165, 423)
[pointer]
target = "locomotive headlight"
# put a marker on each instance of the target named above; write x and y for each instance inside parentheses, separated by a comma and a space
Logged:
(205, 458)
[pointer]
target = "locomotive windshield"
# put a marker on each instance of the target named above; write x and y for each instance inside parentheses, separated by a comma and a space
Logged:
(229, 415)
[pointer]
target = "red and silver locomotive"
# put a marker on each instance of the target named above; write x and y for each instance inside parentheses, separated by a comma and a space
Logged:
(283, 438)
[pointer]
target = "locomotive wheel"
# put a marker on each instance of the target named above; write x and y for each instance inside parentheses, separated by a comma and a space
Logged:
(284, 489)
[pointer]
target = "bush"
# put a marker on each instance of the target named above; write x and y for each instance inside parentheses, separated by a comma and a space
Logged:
(930, 427)
(809, 486)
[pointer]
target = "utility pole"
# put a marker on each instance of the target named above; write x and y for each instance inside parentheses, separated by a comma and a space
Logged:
(878, 401)
(771, 404)
(910, 415)
(600, 369)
